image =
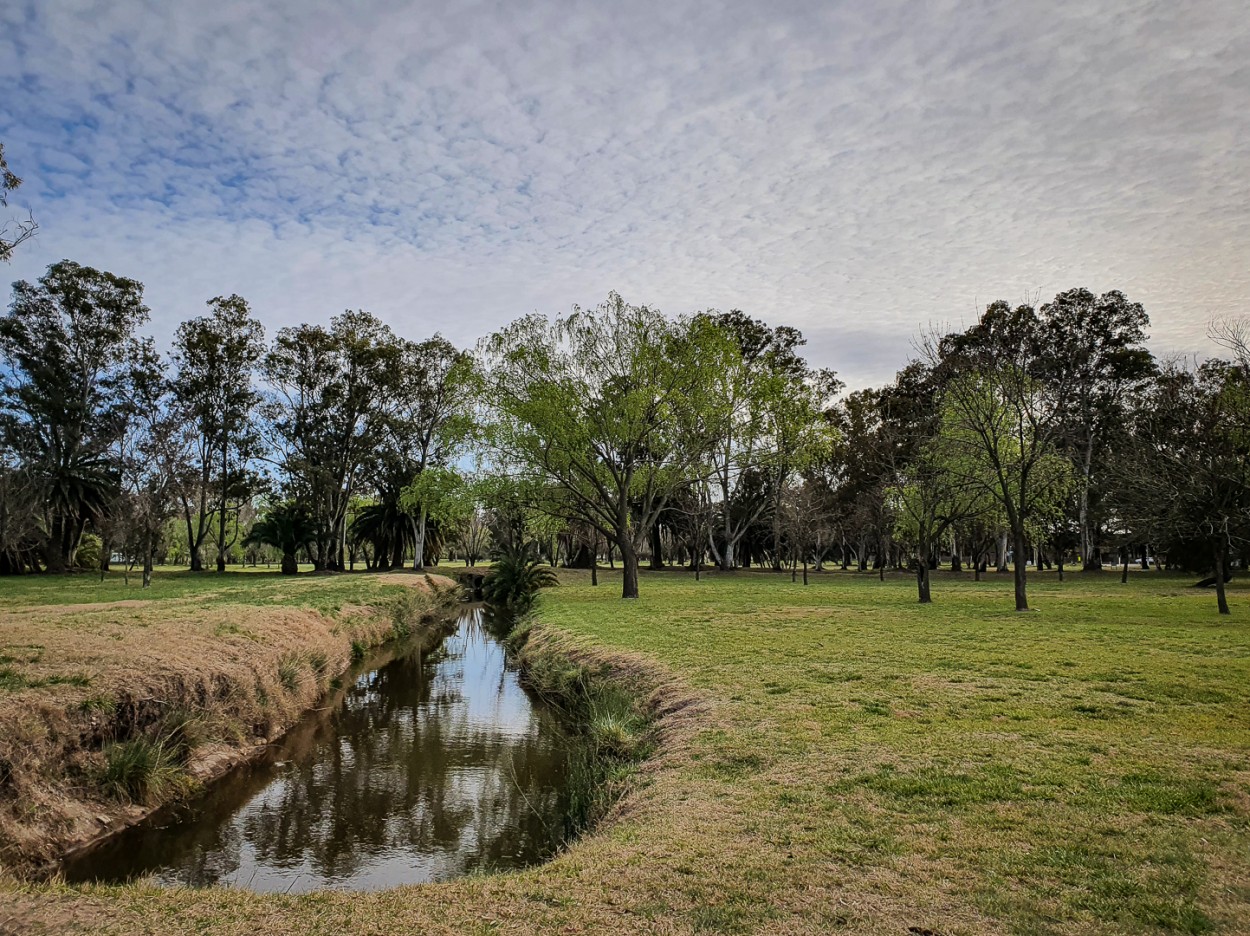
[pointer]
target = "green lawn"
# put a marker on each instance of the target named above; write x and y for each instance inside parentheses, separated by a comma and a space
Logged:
(1088, 763)
(867, 764)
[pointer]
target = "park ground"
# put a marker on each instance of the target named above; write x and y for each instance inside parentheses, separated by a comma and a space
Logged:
(836, 758)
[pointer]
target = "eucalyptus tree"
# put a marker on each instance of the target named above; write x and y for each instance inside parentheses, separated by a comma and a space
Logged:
(326, 414)
(12, 232)
(1000, 422)
(427, 418)
(760, 410)
(154, 456)
(69, 349)
(608, 407)
(217, 356)
(1093, 352)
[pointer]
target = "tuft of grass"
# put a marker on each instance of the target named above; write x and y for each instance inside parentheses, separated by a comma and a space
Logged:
(141, 770)
(289, 673)
(358, 650)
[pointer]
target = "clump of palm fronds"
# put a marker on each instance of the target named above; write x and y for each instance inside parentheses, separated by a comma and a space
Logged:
(515, 580)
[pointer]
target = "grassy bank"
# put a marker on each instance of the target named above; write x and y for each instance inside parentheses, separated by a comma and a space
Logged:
(837, 758)
(114, 699)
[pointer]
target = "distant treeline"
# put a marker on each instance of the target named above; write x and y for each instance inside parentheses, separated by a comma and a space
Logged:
(1047, 433)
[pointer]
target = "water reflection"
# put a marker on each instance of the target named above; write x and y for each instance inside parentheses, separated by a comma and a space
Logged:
(430, 766)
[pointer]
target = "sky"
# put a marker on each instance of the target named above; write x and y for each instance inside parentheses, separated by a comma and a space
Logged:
(862, 171)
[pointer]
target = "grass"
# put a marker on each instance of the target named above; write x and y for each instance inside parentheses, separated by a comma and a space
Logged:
(860, 763)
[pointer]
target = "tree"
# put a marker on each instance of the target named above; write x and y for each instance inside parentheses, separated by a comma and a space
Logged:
(326, 416)
(69, 349)
(765, 424)
(1194, 446)
(436, 494)
(155, 452)
(999, 421)
(12, 232)
(1093, 353)
(931, 494)
(217, 355)
(426, 422)
(288, 528)
(605, 408)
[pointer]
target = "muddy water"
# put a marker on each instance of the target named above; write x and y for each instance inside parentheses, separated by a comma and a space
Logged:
(426, 767)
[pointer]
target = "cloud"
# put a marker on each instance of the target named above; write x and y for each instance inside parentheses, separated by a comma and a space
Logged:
(858, 171)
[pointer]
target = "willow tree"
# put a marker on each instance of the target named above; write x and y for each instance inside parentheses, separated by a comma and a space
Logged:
(604, 408)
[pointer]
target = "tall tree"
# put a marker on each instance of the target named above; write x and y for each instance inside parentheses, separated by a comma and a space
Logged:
(69, 348)
(765, 427)
(1093, 352)
(428, 417)
(217, 356)
(154, 456)
(606, 407)
(999, 421)
(326, 415)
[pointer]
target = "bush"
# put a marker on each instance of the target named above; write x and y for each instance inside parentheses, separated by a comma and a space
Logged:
(90, 548)
(515, 581)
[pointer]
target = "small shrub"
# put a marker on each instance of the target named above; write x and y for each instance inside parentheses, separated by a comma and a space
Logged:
(358, 651)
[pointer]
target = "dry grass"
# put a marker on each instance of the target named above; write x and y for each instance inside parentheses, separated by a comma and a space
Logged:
(838, 759)
(81, 682)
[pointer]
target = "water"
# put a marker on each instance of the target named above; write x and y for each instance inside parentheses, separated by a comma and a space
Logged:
(428, 767)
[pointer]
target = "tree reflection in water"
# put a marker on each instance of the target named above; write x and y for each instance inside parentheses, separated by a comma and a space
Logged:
(431, 766)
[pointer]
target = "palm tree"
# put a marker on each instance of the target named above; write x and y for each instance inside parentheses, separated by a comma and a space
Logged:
(515, 579)
(287, 527)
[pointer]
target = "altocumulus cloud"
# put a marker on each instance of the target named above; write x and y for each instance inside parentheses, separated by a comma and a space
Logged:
(857, 170)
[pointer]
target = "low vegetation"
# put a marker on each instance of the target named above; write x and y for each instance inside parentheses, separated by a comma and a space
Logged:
(839, 758)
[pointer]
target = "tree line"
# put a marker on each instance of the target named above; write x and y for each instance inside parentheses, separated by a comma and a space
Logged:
(1042, 435)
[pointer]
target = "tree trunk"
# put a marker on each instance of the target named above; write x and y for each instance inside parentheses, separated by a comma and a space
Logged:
(289, 564)
(149, 548)
(1221, 562)
(922, 576)
(1124, 570)
(1022, 598)
(657, 548)
(1002, 552)
(805, 569)
(1059, 562)
(418, 533)
(629, 567)
(594, 561)
(1091, 558)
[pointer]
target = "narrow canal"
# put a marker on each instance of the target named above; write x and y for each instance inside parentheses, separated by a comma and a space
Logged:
(427, 766)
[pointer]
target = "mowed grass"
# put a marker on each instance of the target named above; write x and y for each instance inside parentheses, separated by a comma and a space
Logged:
(866, 764)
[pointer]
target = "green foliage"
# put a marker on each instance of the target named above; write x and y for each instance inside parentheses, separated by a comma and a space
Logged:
(90, 549)
(287, 527)
(515, 580)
